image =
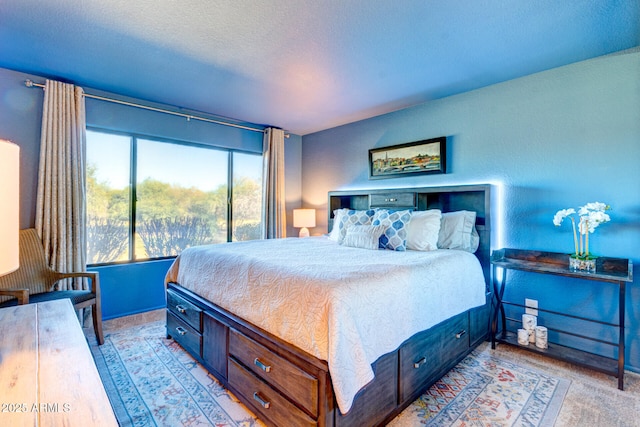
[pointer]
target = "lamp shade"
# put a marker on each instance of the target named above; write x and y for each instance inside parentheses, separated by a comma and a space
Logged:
(9, 206)
(304, 218)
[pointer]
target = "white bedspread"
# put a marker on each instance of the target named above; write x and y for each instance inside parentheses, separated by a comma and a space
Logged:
(344, 305)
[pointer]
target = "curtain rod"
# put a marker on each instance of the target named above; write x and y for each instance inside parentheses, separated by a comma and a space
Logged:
(29, 83)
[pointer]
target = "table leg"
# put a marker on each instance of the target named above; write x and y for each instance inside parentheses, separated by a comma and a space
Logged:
(497, 306)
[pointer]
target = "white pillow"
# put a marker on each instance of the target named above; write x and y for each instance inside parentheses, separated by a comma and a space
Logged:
(423, 229)
(458, 231)
(363, 236)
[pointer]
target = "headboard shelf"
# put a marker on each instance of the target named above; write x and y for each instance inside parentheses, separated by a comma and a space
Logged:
(350, 201)
(462, 197)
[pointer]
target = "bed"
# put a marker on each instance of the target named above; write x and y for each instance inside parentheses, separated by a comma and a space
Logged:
(316, 331)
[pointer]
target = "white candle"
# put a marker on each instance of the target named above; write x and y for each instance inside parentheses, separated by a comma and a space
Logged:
(529, 322)
(523, 337)
(542, 337)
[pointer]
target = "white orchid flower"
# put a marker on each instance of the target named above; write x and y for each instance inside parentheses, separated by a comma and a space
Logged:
(590, 216)
(562, 214)
(593, 207)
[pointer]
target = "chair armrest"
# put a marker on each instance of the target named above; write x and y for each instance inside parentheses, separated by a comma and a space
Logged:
(21, 294)
(94, 276)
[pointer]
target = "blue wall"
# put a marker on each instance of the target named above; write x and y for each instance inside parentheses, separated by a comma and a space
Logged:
(552, 140)
(20, 121)
(132, 288)
(136, 287)
(117, 117)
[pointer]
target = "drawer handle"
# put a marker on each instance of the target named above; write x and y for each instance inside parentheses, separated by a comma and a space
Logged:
(461, 334)
(390, 200)
(181, 309)
(420, 362)
(261, 365)
(181, 330)
(261, 401)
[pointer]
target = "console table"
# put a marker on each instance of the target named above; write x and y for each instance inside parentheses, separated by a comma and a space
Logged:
(47, 373)
(617, 271)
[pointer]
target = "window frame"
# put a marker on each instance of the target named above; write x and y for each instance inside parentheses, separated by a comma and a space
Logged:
(133, 172)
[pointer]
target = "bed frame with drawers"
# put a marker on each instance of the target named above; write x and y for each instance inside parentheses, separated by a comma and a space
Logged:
(286, 386)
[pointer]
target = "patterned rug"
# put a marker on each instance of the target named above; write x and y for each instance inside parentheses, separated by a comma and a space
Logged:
(151, 381)
(483, 390)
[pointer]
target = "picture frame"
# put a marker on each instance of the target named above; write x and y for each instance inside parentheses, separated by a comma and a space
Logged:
(428, 156)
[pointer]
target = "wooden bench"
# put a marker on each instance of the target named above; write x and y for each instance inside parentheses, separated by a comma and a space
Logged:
(47, 374)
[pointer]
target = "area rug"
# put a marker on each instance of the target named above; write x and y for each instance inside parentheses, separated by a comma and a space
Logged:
(152, 381)
(484, 390)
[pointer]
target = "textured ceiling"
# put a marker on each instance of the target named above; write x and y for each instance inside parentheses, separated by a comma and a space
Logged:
(302, 65)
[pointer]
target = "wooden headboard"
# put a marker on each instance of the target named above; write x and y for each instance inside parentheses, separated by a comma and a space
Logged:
(475, 198)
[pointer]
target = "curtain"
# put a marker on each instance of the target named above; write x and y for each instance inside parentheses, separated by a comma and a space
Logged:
(60, 209)
(274, 215)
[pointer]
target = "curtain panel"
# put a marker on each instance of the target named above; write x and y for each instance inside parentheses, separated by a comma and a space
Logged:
(274, 221)
(61, 210)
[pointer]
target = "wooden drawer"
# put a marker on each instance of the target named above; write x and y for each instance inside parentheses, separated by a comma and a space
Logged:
(185, 335)
(423, 360)
(393, 200)
(185, 310)
(286, 377)
(456, 337)
(268, 403)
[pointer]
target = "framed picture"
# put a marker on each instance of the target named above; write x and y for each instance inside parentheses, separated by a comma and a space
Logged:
(413, 158)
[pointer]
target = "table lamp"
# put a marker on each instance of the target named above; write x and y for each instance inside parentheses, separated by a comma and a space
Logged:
(303, 218)
(9, 206)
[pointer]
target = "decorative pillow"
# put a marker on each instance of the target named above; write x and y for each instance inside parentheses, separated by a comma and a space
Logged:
(458, 231)
(423, 229)
(363, 236)
(395, 234)
(337, 218)
(347, 217)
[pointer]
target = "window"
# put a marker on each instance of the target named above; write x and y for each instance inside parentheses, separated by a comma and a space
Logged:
(247, 189)
(181, 195)
(108, 197)
(150, 199)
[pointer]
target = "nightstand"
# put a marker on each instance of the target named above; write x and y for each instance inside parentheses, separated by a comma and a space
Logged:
(617, 271)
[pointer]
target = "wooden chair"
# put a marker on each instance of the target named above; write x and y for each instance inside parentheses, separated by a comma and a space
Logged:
(36, 282)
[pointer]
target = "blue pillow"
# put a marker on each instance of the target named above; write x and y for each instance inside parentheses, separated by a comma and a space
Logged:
(395, 234)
